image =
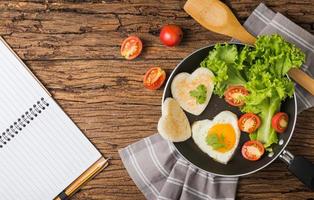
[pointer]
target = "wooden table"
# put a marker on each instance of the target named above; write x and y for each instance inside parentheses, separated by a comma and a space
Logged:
(74, 49)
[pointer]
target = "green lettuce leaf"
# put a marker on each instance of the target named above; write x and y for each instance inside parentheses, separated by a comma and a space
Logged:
(278, 55)
(267, 83)
(226, 63)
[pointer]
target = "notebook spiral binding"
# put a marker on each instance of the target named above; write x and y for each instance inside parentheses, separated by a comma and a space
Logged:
(22, 122)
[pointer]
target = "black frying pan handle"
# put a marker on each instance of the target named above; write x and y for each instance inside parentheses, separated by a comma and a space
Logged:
(302, 168)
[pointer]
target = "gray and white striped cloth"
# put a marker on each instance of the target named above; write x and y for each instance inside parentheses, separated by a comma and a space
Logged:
(161, 173)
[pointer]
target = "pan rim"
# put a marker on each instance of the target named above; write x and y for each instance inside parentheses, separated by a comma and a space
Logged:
(217, 174)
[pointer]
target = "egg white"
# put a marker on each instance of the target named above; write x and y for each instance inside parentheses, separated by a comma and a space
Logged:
(200, 131)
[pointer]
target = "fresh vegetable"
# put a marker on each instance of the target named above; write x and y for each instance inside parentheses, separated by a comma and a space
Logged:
(262, 70)
(253, 136)
(215, 141)
(268, 84)
(252, 150)
(226, 62)
(131, 47)
(200, 94)
(171, 35)
(235, 95)
(249, 122)
(280, 122)
(154, 78)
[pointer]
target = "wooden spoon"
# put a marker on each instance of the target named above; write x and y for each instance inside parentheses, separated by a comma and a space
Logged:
(217, 17)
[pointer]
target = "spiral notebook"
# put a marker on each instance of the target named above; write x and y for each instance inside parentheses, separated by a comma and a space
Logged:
(41, 150)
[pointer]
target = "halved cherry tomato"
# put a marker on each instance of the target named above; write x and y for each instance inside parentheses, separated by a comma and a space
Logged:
(280, 122)
(234, 95)
(252, 150)
(131, 47)
(154, 78)
(249, 122)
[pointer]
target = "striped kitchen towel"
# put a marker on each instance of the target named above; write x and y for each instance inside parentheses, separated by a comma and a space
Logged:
(161, 173)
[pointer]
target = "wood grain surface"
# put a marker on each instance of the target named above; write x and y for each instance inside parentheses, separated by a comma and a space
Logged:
(74, 49)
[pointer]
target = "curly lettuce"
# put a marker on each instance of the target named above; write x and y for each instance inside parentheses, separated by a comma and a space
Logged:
(262, 70)
(226, 62)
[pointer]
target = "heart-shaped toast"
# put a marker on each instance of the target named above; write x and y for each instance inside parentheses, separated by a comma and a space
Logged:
(193, 91)
(173, 124)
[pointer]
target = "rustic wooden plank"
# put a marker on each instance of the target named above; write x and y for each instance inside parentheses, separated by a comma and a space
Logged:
(31, 46)
(73, 47)
(295, 10)
(78, 86)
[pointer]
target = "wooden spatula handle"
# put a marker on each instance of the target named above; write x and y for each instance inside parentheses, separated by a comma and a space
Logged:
(302, 79)
(242, 35)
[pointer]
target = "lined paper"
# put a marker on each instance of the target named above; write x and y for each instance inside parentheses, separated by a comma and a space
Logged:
(50, 152)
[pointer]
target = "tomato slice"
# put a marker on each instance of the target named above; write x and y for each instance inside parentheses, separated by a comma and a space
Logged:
(154, 78)
(131, 47)
(280, 122)
(234, 95)
(252, 150)
(249, 122)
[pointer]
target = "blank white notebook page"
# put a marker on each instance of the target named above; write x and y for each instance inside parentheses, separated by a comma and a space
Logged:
(41, 150)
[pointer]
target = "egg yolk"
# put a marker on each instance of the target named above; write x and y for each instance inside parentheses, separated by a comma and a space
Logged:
(226, 136)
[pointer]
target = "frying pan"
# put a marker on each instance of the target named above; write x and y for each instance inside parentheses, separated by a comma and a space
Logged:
(238, 166)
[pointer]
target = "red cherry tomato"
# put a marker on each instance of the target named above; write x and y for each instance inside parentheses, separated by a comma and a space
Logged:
(249, 122)
(280, 122)
(154, 78)
(252, 150)
(171, 35)
(131, 47)
(234, 95)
